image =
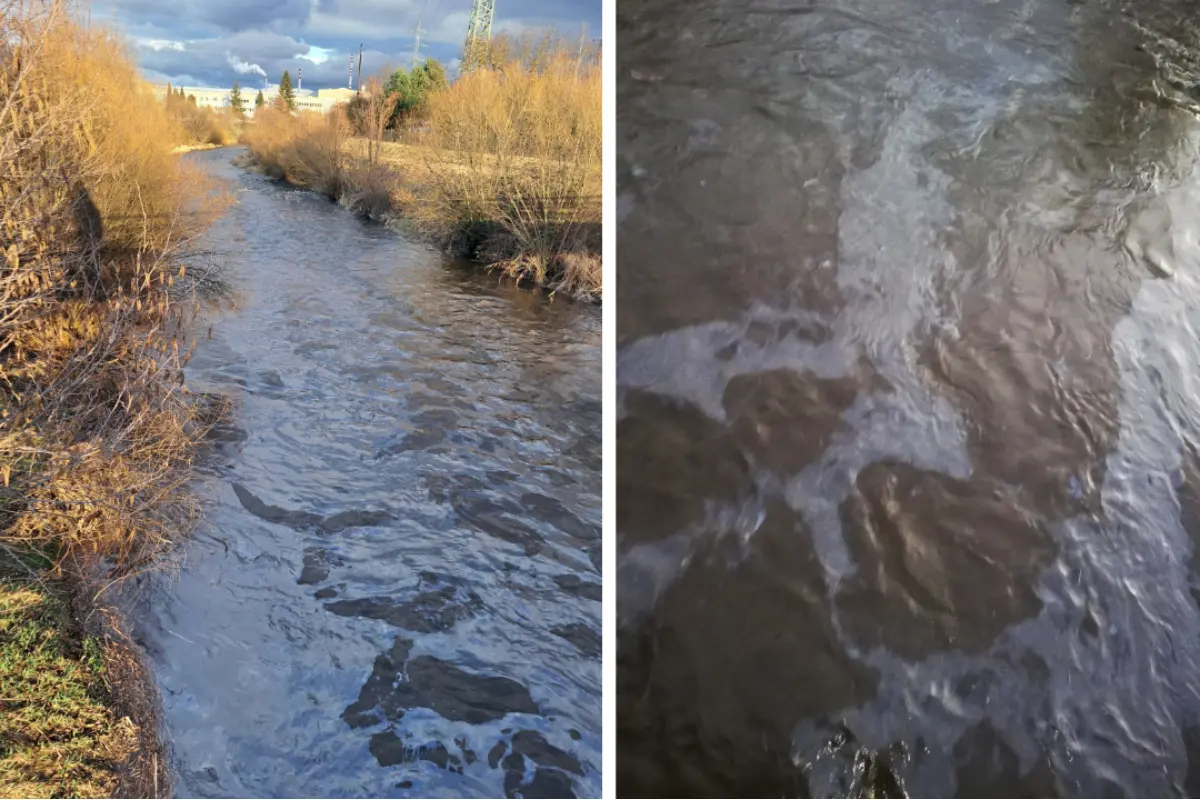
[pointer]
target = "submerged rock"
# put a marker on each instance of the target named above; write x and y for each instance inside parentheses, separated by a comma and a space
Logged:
(399, 683)
(306, 520)
(431, 611)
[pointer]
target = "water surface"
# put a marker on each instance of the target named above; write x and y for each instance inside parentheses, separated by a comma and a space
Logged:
(397, 590)
(908, 480)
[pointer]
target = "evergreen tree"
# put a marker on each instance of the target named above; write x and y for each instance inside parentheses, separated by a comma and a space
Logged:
(436, 75)
(236, 101)
(286, 91)
(413, 87)
(260, 101)
(192, 99)
(170, 91)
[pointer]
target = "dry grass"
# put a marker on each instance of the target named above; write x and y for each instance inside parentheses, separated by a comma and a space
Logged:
(409, 161)
(96, 432)
(507, 170)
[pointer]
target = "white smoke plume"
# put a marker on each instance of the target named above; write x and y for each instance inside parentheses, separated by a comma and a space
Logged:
(243, 67)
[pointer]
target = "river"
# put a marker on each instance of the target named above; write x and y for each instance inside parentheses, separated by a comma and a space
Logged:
(908, 305)
(396, 587)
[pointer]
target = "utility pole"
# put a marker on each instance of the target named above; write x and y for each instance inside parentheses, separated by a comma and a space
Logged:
(417, 43)
(360, 47)
(479, 28)
(350, 81)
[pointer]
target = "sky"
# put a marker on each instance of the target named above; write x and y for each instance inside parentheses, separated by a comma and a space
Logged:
(212, 43)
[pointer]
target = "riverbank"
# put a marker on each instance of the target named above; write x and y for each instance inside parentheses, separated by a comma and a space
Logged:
(78, 707)
(393, 191)
(97, 435)
(505, 172)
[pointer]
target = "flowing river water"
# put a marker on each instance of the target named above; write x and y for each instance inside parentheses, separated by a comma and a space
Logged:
(396, 590)
(908, 398)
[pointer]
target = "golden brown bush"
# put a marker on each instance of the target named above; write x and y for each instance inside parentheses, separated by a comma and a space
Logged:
(96, 434)
(507, 168)
(527, 146)
(201, 125)
(369, 189)
(304, 149)
(311, 150)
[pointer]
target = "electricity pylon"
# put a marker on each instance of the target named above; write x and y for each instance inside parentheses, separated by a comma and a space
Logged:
(479, 29)
(417, 43)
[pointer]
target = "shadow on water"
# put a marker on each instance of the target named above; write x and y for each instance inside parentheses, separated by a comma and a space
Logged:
(396, 589)
(907, 317)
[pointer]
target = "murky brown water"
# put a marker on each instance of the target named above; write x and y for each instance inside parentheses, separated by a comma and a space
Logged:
(909, 412)
(396, 591)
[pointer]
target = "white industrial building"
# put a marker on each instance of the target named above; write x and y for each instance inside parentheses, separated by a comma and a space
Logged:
(306, 99)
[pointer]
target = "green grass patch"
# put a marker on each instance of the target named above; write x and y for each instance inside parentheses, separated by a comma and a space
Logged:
(58, 737)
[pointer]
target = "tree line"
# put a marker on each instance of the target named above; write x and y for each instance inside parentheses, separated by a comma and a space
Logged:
(411, 87)
(408, 87)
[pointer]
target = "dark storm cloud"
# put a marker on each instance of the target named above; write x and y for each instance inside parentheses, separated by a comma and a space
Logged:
(215, 42)
(227, 15)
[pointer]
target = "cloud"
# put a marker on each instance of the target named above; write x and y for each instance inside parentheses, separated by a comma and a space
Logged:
(318, 55)
(229, 16)
(452, 28)
(160, 44)
(215, 42)
(242, 67)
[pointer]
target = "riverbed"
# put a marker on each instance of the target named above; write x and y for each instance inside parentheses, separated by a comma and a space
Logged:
(396, 587)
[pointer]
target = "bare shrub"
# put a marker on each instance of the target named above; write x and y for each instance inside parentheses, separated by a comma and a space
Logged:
(96, 434)
(507, 168)
(305, 149)
(97, 220)
(369, 190)
(201, 125)
(377, 110)
(526, 144)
